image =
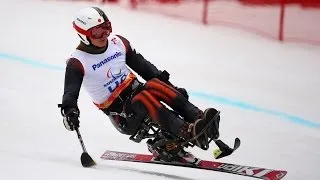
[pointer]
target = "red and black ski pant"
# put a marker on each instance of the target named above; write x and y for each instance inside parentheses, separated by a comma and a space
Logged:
(149, 99)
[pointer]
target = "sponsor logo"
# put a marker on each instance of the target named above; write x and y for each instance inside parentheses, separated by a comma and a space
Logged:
(118, 156)
(114, 40)
(103, 62)
(84, 23)
(280, 175)
(251, 171)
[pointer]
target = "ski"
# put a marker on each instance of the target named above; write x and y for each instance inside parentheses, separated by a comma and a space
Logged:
(243, 170)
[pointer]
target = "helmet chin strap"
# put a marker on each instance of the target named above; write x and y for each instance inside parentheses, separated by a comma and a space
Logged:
(92, 48)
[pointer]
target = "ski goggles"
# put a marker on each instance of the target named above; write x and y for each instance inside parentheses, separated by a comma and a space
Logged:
(96, 32)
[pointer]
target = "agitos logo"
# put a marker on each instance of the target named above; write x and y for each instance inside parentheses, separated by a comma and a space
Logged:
(112, 74)
(117, 77)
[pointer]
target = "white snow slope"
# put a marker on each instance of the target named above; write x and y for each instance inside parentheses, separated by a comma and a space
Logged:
(267, 93)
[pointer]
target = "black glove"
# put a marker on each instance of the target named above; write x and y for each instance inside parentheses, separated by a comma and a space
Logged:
(183, 91)
(164, 77)
(70, 118)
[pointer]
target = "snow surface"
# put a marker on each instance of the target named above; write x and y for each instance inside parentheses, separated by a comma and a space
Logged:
(267, 92)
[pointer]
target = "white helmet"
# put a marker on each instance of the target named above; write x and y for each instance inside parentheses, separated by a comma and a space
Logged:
(88, 18)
